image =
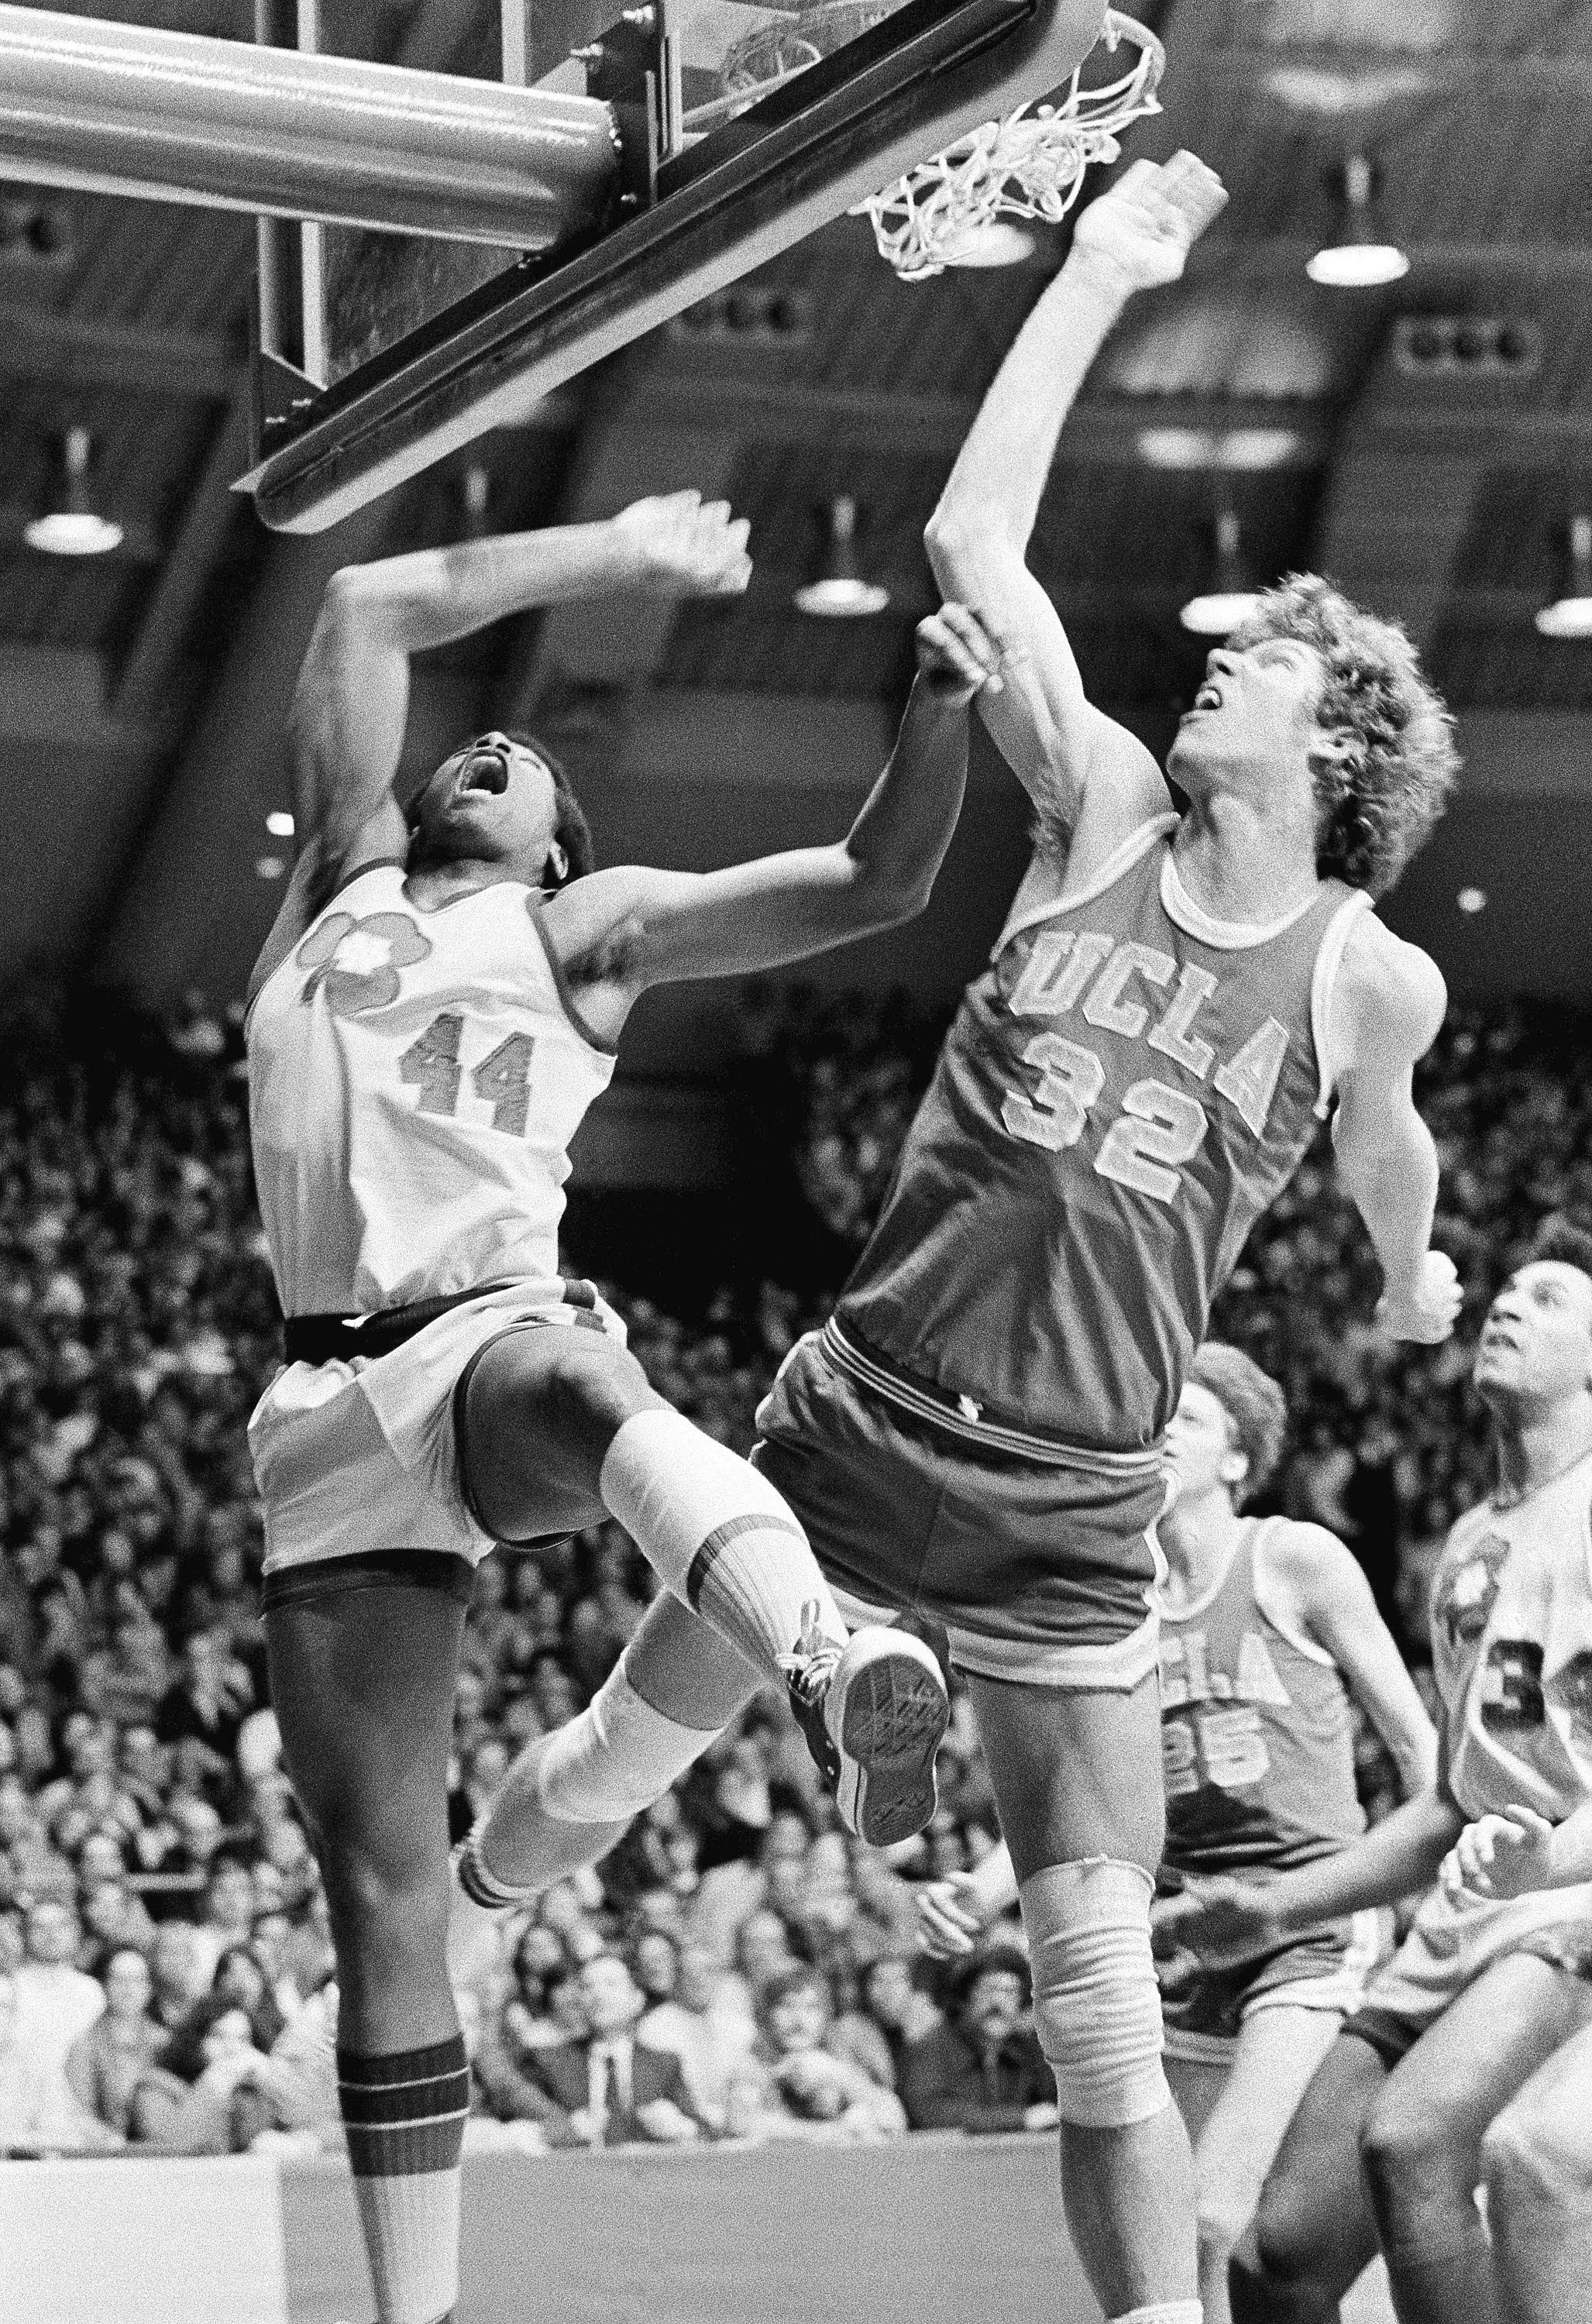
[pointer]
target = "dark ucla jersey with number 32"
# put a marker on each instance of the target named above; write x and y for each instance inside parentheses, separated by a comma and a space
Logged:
(415, 1078)
(1124, 1091)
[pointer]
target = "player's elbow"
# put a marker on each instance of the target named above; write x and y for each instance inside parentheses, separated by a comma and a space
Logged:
(966, 542)
(886, 899)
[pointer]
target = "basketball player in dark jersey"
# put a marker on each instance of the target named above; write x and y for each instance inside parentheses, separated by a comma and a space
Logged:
(1175, 1000)
(1268, 1630)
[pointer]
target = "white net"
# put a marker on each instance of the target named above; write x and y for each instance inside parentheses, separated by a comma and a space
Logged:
(1030, 165)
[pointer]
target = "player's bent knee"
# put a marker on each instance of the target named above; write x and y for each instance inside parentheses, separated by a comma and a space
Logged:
(1220, 2221)
(1398, 2146)
(1097, 2008)
(1266, 2269)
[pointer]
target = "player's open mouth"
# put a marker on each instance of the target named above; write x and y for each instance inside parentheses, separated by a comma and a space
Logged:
(486, 770)
(1208, 698)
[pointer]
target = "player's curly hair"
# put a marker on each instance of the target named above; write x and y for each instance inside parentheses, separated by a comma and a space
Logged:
(1256, 1413)
(1375, 805)
(1564, 1240)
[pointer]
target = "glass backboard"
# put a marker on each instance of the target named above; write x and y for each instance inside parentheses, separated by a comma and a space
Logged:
(739, 128)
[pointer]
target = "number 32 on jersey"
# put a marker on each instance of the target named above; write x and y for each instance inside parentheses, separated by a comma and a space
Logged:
(503, 1079)
(1158, 1128)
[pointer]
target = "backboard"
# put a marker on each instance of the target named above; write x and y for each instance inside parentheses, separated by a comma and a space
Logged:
(739, 129)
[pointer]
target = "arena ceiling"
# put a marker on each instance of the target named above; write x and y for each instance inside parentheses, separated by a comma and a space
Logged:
(1430, 468)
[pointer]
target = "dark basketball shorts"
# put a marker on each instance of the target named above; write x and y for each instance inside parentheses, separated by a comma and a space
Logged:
(1204, 2009)
(1039, 1572)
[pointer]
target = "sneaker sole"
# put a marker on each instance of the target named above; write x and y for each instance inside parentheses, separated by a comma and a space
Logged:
(887, 1712)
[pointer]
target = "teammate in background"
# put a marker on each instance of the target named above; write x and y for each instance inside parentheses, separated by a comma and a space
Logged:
(976, 1437)
(1387, 2142)
(433, 1013)
(1268, 1629)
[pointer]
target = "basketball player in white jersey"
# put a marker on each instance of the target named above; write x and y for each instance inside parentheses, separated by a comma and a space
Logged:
(1387, 2144)
(1268, 1628)
(1536, 2155)
(433, 1013)
(1175, 1002)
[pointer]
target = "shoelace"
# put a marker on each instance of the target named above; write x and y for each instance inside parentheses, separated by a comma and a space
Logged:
(811, 1663)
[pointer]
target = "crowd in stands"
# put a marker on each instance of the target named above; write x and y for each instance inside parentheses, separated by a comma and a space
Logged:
(737, 1967)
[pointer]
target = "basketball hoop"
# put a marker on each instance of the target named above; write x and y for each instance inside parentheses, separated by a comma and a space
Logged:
(1030, 165)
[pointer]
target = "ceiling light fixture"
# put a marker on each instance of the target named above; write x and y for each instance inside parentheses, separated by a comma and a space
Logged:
(1360, 259)
(838, 592)
(280, 823)
(1232, 596)
(476, 494)
(1472, 899)
(1570, 613)
(1245, 450)
(72, 526)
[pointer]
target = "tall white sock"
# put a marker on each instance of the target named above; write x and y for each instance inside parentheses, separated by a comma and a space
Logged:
(718, 1535)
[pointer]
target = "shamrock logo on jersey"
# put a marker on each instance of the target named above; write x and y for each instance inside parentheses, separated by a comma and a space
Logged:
(1466, 1588)
(357, 961)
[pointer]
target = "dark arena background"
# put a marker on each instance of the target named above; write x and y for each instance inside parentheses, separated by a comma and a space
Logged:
(1424, 439)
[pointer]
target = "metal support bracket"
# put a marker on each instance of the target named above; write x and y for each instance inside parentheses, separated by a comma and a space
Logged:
(627, 67)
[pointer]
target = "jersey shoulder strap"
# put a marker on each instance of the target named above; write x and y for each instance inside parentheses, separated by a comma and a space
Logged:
(1044, 890)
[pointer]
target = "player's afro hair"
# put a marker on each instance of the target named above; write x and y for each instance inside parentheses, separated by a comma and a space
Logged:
(1254, 1405)
(1377, 805)
(571, 830)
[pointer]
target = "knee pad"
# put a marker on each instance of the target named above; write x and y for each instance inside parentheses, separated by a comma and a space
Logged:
(1096, 2008)
(616, 1758)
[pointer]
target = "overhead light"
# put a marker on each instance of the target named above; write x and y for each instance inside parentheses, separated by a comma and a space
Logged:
(996, 242)
(1360, 259)
(1231, 597)
(269, 867)
(1570, 614)
(838, 591)
(279, 823)
(1472, 899)
(73, 526)
(476, 494)
(1245, 449)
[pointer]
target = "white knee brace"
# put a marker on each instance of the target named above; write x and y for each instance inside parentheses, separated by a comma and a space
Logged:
(1097, 2009)
(616, 1758)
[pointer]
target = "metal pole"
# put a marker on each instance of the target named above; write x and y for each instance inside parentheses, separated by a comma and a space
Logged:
(116, 108)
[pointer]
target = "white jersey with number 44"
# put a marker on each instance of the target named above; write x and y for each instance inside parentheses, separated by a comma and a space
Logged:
(415, 1079)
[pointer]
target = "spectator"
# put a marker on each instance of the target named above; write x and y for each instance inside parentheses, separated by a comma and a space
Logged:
(899, 2007)
(610, 2090)
(241, 1976)
(985, 2071)
(701, 2024)
(105, 2065)
(186, 2103)
(37, 2106)
(55, 2000)
(796, 2086)
(177, 1973)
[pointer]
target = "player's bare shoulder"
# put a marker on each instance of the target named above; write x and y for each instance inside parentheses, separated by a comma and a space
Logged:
(1389, 996)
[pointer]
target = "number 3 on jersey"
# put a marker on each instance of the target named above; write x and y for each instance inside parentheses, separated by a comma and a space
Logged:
(501, 1079)
(1157, 1129)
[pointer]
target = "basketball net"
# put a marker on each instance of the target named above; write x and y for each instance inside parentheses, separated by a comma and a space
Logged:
(1030, 165)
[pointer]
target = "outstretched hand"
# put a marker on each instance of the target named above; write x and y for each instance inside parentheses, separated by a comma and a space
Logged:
(957, 657)
(1500, 1855)
(949, 1921)
(1428, 1311)
(1222, 1919)
(677, 544)
(1141, 230)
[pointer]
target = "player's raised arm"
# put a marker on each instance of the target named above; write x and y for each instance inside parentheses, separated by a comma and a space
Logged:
(631, 928)
(1386, 1009)
(1338, 1612)
(1136, 235)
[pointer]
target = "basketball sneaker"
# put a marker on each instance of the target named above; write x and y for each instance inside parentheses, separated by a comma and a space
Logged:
(873, 1708)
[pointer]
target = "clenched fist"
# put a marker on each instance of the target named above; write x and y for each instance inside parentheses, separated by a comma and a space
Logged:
(678, 544)
(1140, 231)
